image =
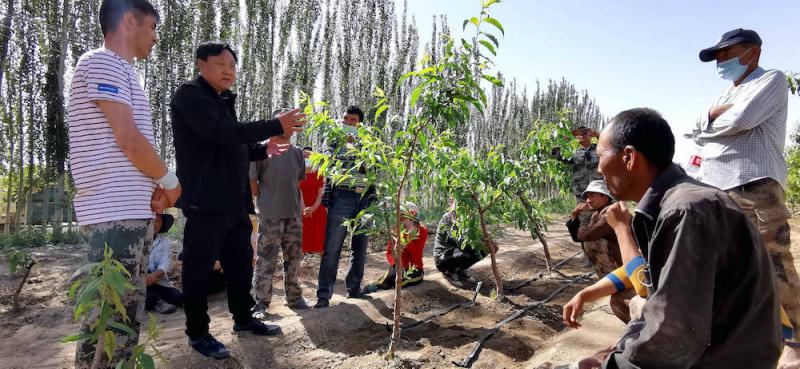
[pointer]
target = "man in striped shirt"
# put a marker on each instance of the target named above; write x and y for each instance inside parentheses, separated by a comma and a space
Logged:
(742, 141)
(118, 175)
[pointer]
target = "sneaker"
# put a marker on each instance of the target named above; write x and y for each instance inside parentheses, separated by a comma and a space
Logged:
(370, 288)
(322, 303)
(300, 304)
(257, 328)
(259, 310)
(358, 295)
(163, 307)
(210, 347)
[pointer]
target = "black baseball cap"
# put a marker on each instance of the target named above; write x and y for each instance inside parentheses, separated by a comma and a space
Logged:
(728, 39)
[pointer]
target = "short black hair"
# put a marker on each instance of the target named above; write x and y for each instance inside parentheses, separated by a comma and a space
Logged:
(308, 148)
(213, 48)
(647, 132)
(111, 12)
(352, 109)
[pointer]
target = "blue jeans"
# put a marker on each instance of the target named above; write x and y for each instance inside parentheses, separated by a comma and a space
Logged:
(344, 205)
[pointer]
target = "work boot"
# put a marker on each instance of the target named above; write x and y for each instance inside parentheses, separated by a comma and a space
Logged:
(358, 295)
(257, 328)
(300, 304)
(322, 303)
(210, 347)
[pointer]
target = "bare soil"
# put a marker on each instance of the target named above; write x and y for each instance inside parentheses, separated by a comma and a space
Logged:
(349, 334)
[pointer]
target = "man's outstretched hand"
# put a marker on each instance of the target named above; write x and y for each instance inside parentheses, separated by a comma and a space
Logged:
(292, 121)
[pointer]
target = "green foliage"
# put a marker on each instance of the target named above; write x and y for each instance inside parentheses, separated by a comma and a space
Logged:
(17, 258)
(793, 180)
(98, 297)
(794, 82)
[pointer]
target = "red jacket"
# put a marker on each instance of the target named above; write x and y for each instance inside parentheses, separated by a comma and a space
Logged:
(412, 255)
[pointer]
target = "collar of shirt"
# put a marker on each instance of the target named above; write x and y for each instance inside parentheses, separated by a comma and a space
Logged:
(646, 213)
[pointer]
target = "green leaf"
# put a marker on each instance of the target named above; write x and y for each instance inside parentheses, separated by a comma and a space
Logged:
(488, 46)
(491, 38)
(74, 337)
(475, 21)
(467, 46)
(146, 362)
(464, 26)
(380, 110)
(494, 80)
(495, 23)
(110, 344)
(415, 94)
(122, 327)
(488, 3)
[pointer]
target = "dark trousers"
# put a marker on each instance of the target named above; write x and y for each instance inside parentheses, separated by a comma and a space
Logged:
(410, 278)
(157, 292)
(456, 260)
(344, 205)
(206, 237)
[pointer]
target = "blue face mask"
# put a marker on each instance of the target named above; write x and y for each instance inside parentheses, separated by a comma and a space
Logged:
(732, 69)
(350, 130)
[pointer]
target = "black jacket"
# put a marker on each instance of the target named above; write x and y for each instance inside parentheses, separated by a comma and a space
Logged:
(213, 149)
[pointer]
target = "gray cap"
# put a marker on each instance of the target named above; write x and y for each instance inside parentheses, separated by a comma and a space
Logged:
(597, 186)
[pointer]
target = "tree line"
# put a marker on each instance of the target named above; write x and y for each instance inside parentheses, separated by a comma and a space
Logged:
(338, 51)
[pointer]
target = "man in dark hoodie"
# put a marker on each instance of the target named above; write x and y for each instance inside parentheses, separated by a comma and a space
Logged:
(213, 152)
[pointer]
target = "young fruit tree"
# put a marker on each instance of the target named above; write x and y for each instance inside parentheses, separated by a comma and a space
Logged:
(98, 291)
(445, 94)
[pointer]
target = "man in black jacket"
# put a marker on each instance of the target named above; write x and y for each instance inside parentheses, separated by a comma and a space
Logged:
(213, 152)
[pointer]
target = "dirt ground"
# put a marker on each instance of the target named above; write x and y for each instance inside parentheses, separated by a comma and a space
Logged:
(351, 333)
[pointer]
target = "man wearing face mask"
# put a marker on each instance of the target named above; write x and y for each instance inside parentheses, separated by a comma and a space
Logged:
(344, 201)
(213, 151)
(742, 139)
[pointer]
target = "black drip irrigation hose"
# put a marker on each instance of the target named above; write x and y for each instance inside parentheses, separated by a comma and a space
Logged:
(541, 274)
(473, 355)
(441, 312)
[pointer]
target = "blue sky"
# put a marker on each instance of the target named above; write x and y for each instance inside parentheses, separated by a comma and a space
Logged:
(630, 53)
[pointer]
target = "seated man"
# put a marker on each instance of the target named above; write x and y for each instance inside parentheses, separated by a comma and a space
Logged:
(411, 257)
(711, 298)
(162, 297)
(448, 255)
(599, 241)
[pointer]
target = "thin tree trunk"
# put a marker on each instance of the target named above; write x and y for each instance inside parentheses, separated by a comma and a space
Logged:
(22, 283)
(398, 248)
(498, 280)
(20, 160)
(5, 37)
(66, 32)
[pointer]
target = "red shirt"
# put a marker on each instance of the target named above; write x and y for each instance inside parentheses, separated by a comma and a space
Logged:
(412, 254)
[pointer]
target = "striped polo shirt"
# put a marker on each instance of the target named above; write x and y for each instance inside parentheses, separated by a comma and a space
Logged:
(109, 187)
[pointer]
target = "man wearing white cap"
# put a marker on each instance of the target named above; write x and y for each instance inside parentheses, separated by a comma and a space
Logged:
(599, 241)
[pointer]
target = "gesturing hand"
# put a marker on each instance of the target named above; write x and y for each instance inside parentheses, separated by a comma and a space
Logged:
(275, 149)
(159, 201)
(292, 121)
(618, 216)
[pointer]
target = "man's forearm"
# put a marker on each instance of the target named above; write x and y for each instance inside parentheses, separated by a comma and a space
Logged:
(716, 111)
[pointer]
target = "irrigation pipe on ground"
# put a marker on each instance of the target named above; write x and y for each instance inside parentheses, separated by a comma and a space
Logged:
(541, 274)
(473, 355)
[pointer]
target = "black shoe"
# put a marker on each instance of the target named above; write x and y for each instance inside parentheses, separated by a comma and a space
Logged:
(300, 304)
(322, 303)
(358, 295)
(164, 307)
(466, 277)
(257, 328)
(454, 279)
(210, 347)
(370, 288)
